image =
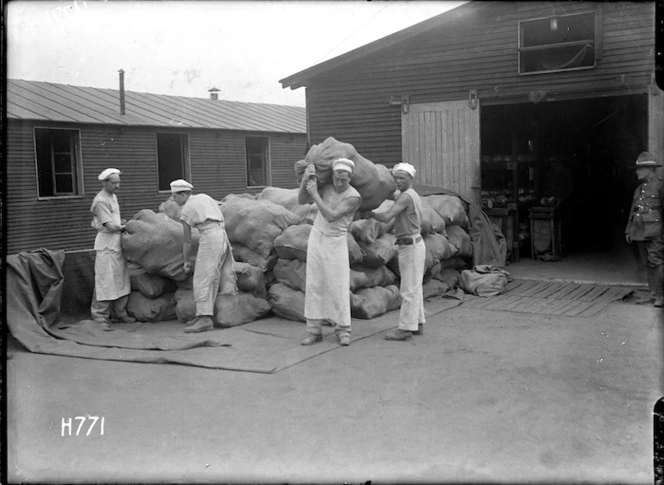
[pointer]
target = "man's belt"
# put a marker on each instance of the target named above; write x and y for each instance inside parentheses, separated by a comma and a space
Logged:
(408, 241)
(645, 208)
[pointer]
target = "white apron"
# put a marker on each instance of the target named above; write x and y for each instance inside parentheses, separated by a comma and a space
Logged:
(111, 275)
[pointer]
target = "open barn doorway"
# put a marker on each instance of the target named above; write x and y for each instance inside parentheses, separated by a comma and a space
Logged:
(593, 143)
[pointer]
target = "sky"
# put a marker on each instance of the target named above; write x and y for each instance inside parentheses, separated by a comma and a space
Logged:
(184, 48)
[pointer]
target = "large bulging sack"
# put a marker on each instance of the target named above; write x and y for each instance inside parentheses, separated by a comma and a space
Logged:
(484, 280)
(374, 182)
(367, 230)
(154, 242)
(146, 309)
(432, 222)
(449, 207)
(287, 302)
(380, 276)
(243, 254)
(294, 241)
(288, 198)
(449, 276)
(369, 303)
(255, 223)
(434, 287)
(291, 272)
(229, 310)
(150, 285)
(438, 248)
(171, 209)
(380, 253)
(461, 240)
(250, 279)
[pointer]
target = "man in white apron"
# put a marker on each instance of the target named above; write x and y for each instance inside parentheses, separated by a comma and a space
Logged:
(327, 295)
(214, 272)
(407, 215)
(112, 287)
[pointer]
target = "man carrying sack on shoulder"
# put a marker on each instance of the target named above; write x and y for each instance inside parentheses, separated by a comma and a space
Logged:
(645, 226)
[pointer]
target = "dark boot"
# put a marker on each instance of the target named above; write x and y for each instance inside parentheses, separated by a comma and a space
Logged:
(658, 282)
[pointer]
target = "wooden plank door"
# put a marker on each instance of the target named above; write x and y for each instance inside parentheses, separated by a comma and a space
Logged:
(656, 122)
(442, 141)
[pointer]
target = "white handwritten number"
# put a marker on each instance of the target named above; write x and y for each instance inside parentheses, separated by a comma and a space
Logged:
(66, 427)
(82, 418)
(95, 418)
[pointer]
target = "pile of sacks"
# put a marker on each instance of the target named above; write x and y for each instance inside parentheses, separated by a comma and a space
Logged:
(269, 232)
(161, 290)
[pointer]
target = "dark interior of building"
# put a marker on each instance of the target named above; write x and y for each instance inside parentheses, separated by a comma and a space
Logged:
(580, 151)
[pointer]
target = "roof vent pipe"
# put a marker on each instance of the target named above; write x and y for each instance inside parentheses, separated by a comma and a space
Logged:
(214, 93)
(122, 92)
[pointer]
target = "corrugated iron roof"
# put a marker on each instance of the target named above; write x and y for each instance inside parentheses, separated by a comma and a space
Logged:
(42, 101)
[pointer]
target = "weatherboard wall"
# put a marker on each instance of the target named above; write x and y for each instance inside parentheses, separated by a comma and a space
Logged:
(477, 50)
(216, 161)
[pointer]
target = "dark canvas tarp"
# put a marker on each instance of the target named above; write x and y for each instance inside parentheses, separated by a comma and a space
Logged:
(34, 289)
(489, 245)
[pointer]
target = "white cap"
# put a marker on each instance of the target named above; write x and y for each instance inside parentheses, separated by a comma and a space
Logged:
(343, 164)
(108, 172)
(404, 167)
(180, 185)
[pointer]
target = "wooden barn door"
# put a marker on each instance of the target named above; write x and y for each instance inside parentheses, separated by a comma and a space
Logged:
(656, 122)
(442, 140)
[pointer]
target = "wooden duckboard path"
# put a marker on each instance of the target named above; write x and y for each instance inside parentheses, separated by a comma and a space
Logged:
(552, 298)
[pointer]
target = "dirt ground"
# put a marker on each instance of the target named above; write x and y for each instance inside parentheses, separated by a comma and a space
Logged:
(483, 396)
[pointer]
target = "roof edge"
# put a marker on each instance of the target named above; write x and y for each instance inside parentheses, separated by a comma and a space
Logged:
(300, 78)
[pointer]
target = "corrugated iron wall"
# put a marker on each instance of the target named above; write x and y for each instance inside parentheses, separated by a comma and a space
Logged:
(216, 159)
(351, 103)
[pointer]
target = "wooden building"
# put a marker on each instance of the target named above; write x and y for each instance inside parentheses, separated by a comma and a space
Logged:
(60, 137)
(481, 99)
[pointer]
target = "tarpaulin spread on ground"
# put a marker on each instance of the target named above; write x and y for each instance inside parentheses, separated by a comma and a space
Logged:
(35, 281)
(269, 345)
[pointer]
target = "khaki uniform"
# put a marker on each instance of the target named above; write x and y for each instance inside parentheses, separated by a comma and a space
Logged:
(644, 227)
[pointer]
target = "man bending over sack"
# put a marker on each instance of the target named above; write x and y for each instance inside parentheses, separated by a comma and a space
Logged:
(112, 286)
(407, 215)
(327, 295)
(213, 273)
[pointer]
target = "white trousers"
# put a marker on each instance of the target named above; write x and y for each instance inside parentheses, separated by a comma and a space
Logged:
(213, 273)
(411, 267)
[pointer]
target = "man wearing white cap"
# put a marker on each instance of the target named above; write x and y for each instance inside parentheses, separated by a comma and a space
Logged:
(327, 295)
(407, 215)
(112, 287)
(644, 225)
(214, 272)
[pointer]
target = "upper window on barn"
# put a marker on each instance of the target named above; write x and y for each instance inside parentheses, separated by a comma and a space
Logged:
(558, 43)
(172, 152)
(257, 149)
(58, 162)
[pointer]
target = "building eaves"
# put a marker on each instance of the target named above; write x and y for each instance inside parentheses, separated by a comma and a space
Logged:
(44, 101)
(303, 77)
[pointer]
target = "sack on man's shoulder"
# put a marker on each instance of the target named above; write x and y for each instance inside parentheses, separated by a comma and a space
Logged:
(484, 280)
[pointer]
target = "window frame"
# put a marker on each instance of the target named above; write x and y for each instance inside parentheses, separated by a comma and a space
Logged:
(186, 165)
(596, 43)
(77, 170)
(267, 161)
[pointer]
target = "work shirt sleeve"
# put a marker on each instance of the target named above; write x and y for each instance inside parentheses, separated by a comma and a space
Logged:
(102, 210)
